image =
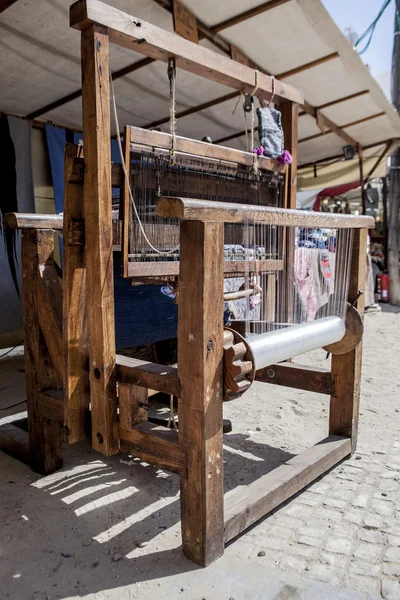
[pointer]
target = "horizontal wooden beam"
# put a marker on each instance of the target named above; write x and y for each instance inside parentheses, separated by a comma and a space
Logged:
(364, 120)
(343, 99)
(313, 112)
(308, 66)
(328, 159)
(156, 445)
(33, 221)
(248, 14)
(157, 139)
(189, 209)
(194, 109)
(246, 505)
(171, 268)
(15, 442)
(78, 93)
(147, 374)
(126, 31)
(298, 376)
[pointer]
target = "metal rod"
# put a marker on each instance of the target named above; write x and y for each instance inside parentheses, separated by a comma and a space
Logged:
(276, 346)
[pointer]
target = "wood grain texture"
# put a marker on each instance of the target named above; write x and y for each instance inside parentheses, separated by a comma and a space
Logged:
(130, 411)
(160, 44)
(246, 505)
(156, 445)
(148, 375)
(298, 376)
(125, 204)
(158, 139)
(346, 368)
(98, 235)
(45, 437)
(49, 306)
(223, 212)
(171, 268)
(33, 221)
(75, 343)
(200, 359)
(15, 442)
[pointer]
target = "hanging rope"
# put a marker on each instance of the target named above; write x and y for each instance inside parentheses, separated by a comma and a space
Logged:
(171, 420)
(126, 176)
(172, 104)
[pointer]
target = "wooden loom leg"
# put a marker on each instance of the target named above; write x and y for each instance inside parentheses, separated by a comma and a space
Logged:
(200, 360)
(76, 360)
(45, 434)
(98, 239)
(290, 116)
(346, 368)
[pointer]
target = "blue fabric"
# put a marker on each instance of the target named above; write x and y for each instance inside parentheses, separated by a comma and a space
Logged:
(142, 313)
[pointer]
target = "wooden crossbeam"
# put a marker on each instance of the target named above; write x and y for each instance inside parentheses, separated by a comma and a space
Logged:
(125, 30)
(364, 120)
(147, 374)
(320, 161)
(301, 377)
(15, 442)
(308, 66)
(248, 14)
(156, 445)
(171, 268)
(246, 505)
(189, 209)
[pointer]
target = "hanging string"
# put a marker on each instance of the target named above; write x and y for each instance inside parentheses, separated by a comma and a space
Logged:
(172, 104)
(273, 91)
(171, 420)
(126, 176)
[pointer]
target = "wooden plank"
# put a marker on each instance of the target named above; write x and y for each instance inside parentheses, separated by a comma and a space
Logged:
(49, 306)
(194, 109)
(15, 442)
(223, 212)
(130, 411)
(51, 405)
(125, 30)
(298, 376)
(171, 268)
(156, 445)
(75, 344)
(185, 22)
(126, 213)
(33, 221)
(148, 375)
(346, 368)
(239, 56)
(158, 139)
(310, 65)
(45, 437)
(200, 359)
(98, 228)
(248, 14)
(247, 504)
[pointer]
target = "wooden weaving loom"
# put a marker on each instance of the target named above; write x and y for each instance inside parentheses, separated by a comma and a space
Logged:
(69, 330)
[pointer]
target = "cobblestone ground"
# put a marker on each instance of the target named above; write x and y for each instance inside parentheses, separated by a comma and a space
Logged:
(345, 529)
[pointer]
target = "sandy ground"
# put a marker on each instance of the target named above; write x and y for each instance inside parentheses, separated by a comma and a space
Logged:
(109, 527)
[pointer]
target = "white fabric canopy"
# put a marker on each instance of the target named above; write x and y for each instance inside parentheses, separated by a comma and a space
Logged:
(40, 63)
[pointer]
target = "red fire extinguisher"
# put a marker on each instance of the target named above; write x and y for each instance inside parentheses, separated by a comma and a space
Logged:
(383, 287)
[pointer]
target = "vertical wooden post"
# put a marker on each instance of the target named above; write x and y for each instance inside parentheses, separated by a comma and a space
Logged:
(290, 118)
(346, 368)
(76, 361)
(200, 360)
(45, 435)
(98, 238)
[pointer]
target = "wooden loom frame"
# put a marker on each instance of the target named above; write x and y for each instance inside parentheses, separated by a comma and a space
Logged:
(59, 353)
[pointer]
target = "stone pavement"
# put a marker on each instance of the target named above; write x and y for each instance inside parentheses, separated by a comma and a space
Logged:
(345, 529)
